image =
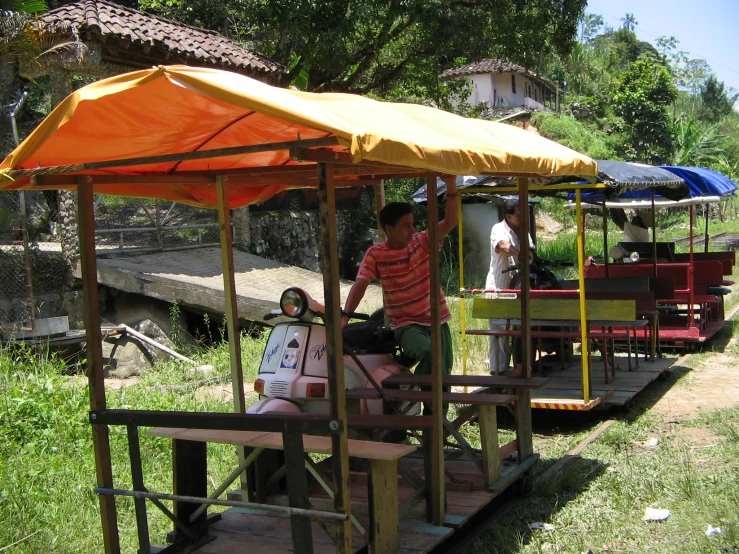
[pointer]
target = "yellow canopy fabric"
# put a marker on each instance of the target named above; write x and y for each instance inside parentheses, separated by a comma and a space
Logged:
(176, 109)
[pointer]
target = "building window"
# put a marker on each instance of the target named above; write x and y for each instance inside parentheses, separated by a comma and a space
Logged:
(513, 84)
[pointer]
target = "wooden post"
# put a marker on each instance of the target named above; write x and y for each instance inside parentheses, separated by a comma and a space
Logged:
(488, 421)
(523, 261)
(190, 478)
(231, 309)
(91, 308)
(297, 491)
(524, 436)
(437, 429)
(335, 351)
(384, 536)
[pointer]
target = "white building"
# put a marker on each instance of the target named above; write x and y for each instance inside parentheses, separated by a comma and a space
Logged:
(502, 85)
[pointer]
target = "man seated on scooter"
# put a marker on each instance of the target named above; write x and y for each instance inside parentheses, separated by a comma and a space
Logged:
(401, 265)
(504, 251)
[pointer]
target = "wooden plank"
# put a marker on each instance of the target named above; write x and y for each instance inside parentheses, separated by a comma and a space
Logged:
(480, 399)
(383, 505)
(555, 309)
(467, 380)
(314, 444)
(389, 422)
(488, 422)
(95, 378)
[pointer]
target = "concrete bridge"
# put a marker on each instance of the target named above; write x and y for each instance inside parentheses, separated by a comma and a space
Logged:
(194, 278)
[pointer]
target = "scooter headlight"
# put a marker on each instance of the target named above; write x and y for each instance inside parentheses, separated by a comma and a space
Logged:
(294, 302)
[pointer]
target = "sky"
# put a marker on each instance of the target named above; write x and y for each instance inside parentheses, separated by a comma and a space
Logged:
(706, 29)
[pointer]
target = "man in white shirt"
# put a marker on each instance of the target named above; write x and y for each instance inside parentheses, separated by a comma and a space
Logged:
(504, 251)
(636, 230)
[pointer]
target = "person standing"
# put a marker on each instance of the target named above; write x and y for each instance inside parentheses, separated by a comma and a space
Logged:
(504, 252)
(401, 264)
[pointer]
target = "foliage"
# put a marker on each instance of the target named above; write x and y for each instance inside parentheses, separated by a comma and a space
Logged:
(716, 102)
(640, 99)
(576, 135)
(361, 46)
(698, 144)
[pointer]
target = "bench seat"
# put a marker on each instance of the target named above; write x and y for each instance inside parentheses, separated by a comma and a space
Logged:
(311, 443)
(369, 393)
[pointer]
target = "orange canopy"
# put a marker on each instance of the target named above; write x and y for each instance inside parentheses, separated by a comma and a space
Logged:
(178, 110)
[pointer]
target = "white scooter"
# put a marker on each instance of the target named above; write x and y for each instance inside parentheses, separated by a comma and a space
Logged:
(293, 375)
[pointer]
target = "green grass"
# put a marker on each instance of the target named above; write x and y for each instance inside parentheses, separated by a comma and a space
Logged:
(48, 474)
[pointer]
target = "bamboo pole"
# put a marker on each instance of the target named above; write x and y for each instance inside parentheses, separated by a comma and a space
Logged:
(91, 308)
(585, 348)
(335, 352)
(231, 313)
(437, 431)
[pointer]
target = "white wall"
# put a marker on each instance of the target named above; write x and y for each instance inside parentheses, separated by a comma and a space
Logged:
(495, 90)
(477, 221)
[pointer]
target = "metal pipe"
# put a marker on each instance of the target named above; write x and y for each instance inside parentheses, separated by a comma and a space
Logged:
(14, 113)
(234, 503)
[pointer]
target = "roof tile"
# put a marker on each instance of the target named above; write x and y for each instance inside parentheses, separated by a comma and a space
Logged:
(112, 20)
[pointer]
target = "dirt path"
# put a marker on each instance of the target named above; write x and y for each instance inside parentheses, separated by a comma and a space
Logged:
(712, 384)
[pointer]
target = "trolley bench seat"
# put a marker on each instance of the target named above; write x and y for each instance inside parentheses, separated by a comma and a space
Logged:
(383, 534)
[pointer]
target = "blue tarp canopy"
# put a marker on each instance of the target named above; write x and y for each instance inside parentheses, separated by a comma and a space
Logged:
(702, 181)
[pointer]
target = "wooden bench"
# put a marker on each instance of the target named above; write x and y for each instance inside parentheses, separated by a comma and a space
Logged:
(552, 312)
(644, 304)
(383, 533)
(489, 465)
(483, 404)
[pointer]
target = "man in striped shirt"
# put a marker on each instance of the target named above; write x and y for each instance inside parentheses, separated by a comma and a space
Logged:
(401, 264)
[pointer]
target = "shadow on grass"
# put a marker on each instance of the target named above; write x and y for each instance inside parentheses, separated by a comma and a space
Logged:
(510, 532)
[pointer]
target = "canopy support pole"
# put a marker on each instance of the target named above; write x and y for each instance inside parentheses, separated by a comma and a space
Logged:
(335, 351)
(232, 315)
(523, 403)
(705, 243)
(91, 307)
(691, 270)
(585, 345)
(437, 429)
(654, 235)
(462, 320)
(605, 236)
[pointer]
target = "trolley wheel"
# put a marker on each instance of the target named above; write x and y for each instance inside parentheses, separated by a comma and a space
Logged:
(524, 486)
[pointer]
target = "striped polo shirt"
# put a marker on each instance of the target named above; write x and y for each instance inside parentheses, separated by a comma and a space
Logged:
(405, 279)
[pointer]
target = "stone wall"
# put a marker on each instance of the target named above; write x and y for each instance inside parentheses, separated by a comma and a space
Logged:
(295, 238)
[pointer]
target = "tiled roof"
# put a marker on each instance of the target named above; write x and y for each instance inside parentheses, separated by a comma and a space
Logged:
(493, 66)
(112, 21)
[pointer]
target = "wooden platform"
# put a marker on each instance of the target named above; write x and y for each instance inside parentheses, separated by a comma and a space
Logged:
(263, 532)
(564, 392)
